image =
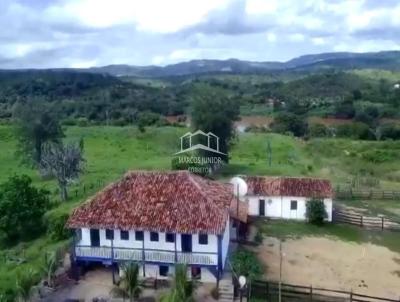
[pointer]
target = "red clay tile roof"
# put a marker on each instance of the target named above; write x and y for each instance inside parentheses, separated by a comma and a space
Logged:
(159, 201)
(289, 186)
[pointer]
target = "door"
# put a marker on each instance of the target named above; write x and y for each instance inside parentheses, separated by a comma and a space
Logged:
(293, 209)
(261, 207)
(186, 242)
(94, 237)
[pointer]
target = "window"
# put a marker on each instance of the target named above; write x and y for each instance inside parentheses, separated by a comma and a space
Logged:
(164, 270)
(169, 237)
(293, 204)
(124, 235)
(153, 236)
(109, 234)
(203, 239)
(139, 235)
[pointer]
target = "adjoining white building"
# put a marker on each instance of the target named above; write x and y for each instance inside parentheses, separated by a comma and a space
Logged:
(158, 219)
(285, 197)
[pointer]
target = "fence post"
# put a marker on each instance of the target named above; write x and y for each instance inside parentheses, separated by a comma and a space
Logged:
(351, 295)
(268, 297)
(311, 293)
(362, 220)
(383, 222)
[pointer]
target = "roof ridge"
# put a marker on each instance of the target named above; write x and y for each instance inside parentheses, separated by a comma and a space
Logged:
(287, 177)
(198, 187)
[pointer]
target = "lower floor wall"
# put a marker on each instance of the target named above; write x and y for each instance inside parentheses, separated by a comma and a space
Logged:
(286, 207)
(162, 272)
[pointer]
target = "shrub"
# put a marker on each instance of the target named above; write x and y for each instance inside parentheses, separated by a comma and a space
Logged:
(318, 130)
(379, 156)
(246, 263)
(390, 131)
(82, 122)
(355, 130)
(21, 208)
(315, 211)
(55, 223)
(258, 238)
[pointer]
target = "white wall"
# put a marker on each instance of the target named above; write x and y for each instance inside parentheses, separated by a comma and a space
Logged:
(161, 244)
(153, 271)
(279, 207)
(225, 243)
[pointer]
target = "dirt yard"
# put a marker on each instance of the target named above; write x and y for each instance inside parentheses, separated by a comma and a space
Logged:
(333, 264)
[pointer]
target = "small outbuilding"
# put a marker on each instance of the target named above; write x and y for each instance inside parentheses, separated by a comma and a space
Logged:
(286, 197)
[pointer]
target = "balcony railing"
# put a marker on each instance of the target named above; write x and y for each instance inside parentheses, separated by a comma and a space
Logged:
(148, 255)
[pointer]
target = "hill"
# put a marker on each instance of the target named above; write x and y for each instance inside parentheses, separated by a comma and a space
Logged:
(389, 60)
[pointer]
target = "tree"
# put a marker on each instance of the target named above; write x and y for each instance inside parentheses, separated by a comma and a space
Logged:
(315, 211)
(21, 208)
(214, 112)
(183, 289)
(345, 109)
(25, 285)
(289, 122)
(246, 263)
(34, 127)
(64, 162)
(130, 285)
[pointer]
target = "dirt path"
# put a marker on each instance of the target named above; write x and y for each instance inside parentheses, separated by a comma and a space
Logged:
(322, 262)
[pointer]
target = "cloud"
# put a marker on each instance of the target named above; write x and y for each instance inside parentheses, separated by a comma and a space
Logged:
(70, 33)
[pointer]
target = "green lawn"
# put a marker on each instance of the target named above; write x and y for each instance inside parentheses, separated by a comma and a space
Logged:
(111, 151)
(291, 229)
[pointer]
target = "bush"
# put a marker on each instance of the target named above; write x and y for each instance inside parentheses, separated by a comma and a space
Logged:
(55, 223)
(246, 263)
(258, 238)
(82, 122)
(379, 156)
(390, 131)
(21, 208)
(354, 130)
(318, 130)
(316, 212)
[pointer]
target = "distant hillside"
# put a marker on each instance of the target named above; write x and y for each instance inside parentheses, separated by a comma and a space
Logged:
(388, 60)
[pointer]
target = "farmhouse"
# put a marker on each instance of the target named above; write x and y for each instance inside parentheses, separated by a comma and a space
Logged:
(285, 197)
(158, 219)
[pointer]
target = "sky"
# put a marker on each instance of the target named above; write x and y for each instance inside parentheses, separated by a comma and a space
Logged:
(85, 33)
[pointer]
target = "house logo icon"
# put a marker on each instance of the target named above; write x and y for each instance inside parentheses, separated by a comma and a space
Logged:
(194, 141)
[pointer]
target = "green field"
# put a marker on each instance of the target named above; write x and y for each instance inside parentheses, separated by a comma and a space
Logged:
(111, 151)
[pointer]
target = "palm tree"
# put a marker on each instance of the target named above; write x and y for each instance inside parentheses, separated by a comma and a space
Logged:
(49, 267)
(25, 285)
(130, 285)
(183, 288)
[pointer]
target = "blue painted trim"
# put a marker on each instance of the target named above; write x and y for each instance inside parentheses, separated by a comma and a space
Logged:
(94, 259)
(220, 253)
(146, 249)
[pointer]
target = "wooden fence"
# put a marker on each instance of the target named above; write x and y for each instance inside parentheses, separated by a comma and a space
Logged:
(269, 291)
(382, 223)
(349, 193)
